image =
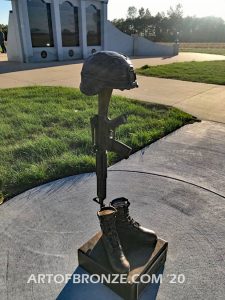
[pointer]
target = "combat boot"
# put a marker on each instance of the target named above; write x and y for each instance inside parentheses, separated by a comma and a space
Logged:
(127, 227)
(111, 242)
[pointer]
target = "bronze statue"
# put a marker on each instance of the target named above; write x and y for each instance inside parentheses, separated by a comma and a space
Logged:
(101, 73)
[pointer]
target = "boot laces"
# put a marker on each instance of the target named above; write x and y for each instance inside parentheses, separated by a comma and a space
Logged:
(111, 234)
(128, 218)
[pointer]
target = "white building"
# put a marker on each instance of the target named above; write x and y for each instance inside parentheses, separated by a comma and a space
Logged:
(48, 30)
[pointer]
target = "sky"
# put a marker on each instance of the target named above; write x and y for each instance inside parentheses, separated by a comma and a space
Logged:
(200, 8)
(118, 8)
(5, 6)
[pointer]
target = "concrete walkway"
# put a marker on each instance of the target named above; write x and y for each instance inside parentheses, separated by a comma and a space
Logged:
(3, 57)
(175, 186)
(205, 101)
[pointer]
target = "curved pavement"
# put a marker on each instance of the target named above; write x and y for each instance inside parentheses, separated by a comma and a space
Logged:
(176, 187)
(205, 101)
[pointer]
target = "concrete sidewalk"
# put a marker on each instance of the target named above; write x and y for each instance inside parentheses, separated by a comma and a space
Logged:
(175, 186)
(205, 101)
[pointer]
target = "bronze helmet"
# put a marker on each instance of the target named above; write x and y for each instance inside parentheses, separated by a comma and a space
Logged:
(107, 69)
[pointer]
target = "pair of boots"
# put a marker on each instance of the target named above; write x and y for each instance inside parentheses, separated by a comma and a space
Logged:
(116, 224)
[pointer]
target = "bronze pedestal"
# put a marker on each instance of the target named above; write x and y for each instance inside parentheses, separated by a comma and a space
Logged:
(143, 259)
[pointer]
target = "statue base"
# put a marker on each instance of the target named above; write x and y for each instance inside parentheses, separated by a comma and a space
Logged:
(143, 259)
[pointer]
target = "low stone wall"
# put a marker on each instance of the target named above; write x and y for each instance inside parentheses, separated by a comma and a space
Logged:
(119, 41)
(135, 45)
(144, 47)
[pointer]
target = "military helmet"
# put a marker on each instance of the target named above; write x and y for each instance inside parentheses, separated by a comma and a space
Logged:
(107, 69)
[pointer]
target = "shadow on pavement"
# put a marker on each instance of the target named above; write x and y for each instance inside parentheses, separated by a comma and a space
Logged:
(98, 291)
(9, 67)
(167, 57)
(159, 57)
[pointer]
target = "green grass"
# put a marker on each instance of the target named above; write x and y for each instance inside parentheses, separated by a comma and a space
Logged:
(206, 71)
(45, 133)
(219, 51)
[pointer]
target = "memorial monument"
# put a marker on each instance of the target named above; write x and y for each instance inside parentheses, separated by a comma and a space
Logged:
(51, 30)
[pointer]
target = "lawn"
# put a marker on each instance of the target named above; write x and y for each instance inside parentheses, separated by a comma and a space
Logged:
(206, 71)
(219, 51)
(45, 133)
(209, 48)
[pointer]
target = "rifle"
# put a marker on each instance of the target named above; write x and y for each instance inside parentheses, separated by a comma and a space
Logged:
(103, 138)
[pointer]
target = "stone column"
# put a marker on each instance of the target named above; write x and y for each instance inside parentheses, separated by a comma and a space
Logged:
(14, 45)
(104, 17)
(83, 29)
(24, 29)
(57, 29)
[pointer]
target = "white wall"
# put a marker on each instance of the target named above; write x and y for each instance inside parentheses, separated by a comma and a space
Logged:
(144, 47)
(135, 45)
(118, 41)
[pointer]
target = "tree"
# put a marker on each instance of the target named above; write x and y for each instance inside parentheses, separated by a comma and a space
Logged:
(175, 16)
(131, 12)
(166, 27)
(175, 13)
(4, 29)
(141, 12)
(147, 13)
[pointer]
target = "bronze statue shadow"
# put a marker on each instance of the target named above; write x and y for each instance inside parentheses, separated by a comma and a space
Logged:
(92, 258)
(98, 291)
(138, 254)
